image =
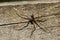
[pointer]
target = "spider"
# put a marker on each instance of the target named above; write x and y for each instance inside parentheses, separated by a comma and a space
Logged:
(32, 20)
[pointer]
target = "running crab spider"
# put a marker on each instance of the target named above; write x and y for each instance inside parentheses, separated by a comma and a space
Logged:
(32, 20)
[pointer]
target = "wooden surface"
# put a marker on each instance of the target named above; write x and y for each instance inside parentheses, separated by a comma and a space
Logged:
(8, 15)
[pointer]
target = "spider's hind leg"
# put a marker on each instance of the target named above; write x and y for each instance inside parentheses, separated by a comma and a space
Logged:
(32, 30)
(23, 27)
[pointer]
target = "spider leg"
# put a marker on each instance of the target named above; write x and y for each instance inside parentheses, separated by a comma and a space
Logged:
(40, 27)
(33, 30)
(46, 30)
(53, 26)
(41, 20)
(23, 27)
(21, 16)
(12, 23)
(47, 15)
(51, 14)
(19, 12)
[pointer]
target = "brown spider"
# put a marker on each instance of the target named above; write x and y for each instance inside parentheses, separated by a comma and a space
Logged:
(32, 20)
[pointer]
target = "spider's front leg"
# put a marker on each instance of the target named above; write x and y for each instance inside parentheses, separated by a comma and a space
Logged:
(20, 15)
(43, 16)
(41, 20)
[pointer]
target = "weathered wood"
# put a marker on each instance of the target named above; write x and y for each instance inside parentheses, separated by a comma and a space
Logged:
(41, 10)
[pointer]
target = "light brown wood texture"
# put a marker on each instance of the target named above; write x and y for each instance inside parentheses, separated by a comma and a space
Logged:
(8, 15)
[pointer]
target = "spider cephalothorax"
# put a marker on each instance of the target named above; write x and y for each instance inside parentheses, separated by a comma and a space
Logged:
(32, 20)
